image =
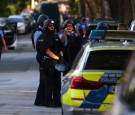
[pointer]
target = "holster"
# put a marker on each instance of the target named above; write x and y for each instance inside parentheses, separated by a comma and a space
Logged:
(47, 63)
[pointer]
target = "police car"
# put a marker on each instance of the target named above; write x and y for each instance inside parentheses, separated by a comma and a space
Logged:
(90, 86)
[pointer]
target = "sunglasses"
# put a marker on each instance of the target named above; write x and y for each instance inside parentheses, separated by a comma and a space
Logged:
(51, 25)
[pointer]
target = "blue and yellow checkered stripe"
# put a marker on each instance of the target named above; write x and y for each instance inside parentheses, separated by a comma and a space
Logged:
(102, 104)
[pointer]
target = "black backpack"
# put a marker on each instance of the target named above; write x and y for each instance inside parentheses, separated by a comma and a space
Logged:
(32, 37)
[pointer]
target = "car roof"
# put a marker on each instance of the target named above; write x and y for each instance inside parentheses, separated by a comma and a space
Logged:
(15, 16)
(112, 45)
(112, 39)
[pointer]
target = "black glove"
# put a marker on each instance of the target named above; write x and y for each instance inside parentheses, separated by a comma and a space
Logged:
(61, 59)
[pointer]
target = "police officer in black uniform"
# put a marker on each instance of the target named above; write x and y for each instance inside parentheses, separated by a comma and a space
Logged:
(50, 52)
(35, 35)
(72, 42)
(39, 30)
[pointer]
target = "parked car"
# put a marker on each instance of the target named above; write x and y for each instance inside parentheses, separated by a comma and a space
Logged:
(9, 28)
(124, 103)
(30, 19)
(22, 23)
(90, 86)
(32, 12)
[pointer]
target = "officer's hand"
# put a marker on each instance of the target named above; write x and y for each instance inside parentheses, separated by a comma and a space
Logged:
(61, 59)
(5, 49)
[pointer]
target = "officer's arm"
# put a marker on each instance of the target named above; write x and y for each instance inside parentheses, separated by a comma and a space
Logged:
(63, 38)
(35, 45)
(84, 29)
(77, 29)
(51, 54)
(4, 43)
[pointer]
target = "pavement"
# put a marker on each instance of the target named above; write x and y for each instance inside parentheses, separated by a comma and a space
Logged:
(18, 86)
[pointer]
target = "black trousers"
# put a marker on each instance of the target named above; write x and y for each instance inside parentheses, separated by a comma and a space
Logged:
(49, 86)
(40, 97)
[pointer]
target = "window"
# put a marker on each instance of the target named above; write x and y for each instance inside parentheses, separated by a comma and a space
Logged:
(108, 59)
(79, 55)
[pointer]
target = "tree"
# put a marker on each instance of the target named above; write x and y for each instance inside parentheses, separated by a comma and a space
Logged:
(124, 10)
(133, 7)
(11, 7)
(121, 9)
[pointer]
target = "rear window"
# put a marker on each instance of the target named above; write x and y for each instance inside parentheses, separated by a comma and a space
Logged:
(108, 59)
(17, 19)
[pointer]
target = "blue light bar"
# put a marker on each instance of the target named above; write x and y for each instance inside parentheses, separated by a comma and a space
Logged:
(97, 35)
(112, 35)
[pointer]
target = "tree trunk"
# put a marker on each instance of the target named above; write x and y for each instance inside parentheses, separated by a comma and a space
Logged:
(105, 9)
(121, 9)
(83, 8)
(133, 7)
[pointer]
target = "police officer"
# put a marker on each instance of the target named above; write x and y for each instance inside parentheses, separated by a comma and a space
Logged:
(102, 26)
(39, 30)
(35, 35)
(49, 52)
(81, 27)
(72, 42)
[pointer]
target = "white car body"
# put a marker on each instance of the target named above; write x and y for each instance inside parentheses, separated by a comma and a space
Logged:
(21, 23)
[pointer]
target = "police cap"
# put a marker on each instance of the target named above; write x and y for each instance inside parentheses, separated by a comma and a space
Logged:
(47, 23)
(42, 18)
(67, 22)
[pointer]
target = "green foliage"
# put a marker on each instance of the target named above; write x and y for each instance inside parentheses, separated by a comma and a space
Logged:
(74, 6)
(12, 7)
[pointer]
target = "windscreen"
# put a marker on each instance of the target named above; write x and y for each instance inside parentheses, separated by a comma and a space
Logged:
(108, 59)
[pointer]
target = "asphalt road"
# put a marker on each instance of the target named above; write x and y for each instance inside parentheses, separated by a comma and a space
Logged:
(19, 79)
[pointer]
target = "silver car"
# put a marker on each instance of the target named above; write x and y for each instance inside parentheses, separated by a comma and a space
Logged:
(22, 24)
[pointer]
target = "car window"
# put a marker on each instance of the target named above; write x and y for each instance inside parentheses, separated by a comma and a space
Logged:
(108, 59)
(11, 26)
(5, 28)
(17, 19)
(113, 27)
(77, 58)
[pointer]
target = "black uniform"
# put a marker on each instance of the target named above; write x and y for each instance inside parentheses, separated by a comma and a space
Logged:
(73, 43)
(40, 93)
(72, 48)
(50, 84)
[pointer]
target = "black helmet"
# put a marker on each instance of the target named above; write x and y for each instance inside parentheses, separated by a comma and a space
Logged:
(41, 18)
(47, 23)
(102, 26)
(67, 22)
